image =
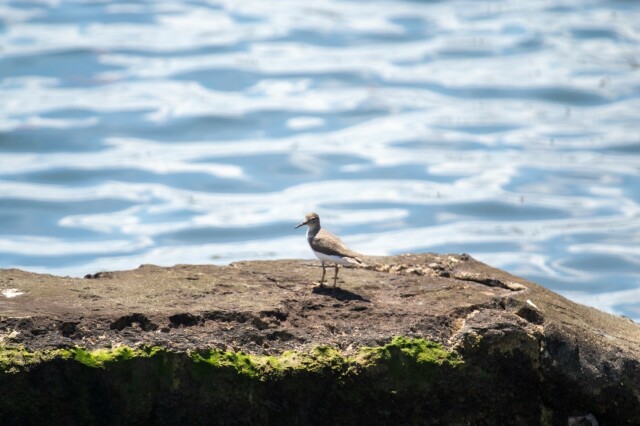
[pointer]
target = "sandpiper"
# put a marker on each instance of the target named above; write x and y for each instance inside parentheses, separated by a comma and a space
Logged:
(327, 247)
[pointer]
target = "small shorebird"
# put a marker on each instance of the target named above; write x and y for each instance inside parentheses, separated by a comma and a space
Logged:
(327, 247)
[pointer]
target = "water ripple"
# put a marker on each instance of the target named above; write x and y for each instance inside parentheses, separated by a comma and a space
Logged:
(176, 132)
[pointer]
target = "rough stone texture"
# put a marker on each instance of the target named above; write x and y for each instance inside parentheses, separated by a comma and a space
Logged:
(530, 355)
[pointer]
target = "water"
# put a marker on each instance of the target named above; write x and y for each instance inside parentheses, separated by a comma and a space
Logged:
(202, 131)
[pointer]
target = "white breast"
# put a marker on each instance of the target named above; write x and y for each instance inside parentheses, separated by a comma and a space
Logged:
(332, 258)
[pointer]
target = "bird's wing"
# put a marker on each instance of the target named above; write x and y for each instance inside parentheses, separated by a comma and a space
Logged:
(326, 242)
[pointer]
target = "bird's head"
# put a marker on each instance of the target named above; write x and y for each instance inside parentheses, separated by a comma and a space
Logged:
(312, 220)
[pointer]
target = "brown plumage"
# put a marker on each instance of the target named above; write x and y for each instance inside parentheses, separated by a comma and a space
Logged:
(325, 242)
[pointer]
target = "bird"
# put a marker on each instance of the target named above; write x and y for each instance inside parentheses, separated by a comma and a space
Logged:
(327, 247)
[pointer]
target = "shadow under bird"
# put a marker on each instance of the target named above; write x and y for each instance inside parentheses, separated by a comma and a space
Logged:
(327, 247)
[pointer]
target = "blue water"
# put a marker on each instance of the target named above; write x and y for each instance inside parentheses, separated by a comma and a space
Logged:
(201, 131)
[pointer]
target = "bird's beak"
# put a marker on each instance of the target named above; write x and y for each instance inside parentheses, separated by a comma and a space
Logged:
(300, 224)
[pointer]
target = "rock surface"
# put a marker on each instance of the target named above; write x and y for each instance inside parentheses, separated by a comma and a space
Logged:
(500, 349)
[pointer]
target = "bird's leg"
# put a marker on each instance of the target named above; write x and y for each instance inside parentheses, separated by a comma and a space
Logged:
(335, 277)
(323, 274)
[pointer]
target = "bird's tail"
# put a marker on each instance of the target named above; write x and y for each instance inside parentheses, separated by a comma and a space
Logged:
(356, 261)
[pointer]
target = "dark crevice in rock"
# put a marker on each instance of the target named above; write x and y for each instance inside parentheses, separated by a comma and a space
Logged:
(280, 335)
(99, 275)
(225, 316)
(486, 280)
(184, 320)
(530, 314)
(69, 328)
(129, 320)
(259, 323)
(277, 314)
(524, 309)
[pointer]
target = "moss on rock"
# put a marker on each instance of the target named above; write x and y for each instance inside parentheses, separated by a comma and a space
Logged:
(395, 354)
(17, 359)
(400, 378)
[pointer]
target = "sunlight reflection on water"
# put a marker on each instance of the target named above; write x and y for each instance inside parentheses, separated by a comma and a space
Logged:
(173, 132)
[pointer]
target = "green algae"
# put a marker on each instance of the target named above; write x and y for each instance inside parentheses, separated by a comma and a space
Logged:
(406, 380)
(100, 357)
(396, 353)
(422, 351)
(243, 364)
(16, 359)
(401, 353)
